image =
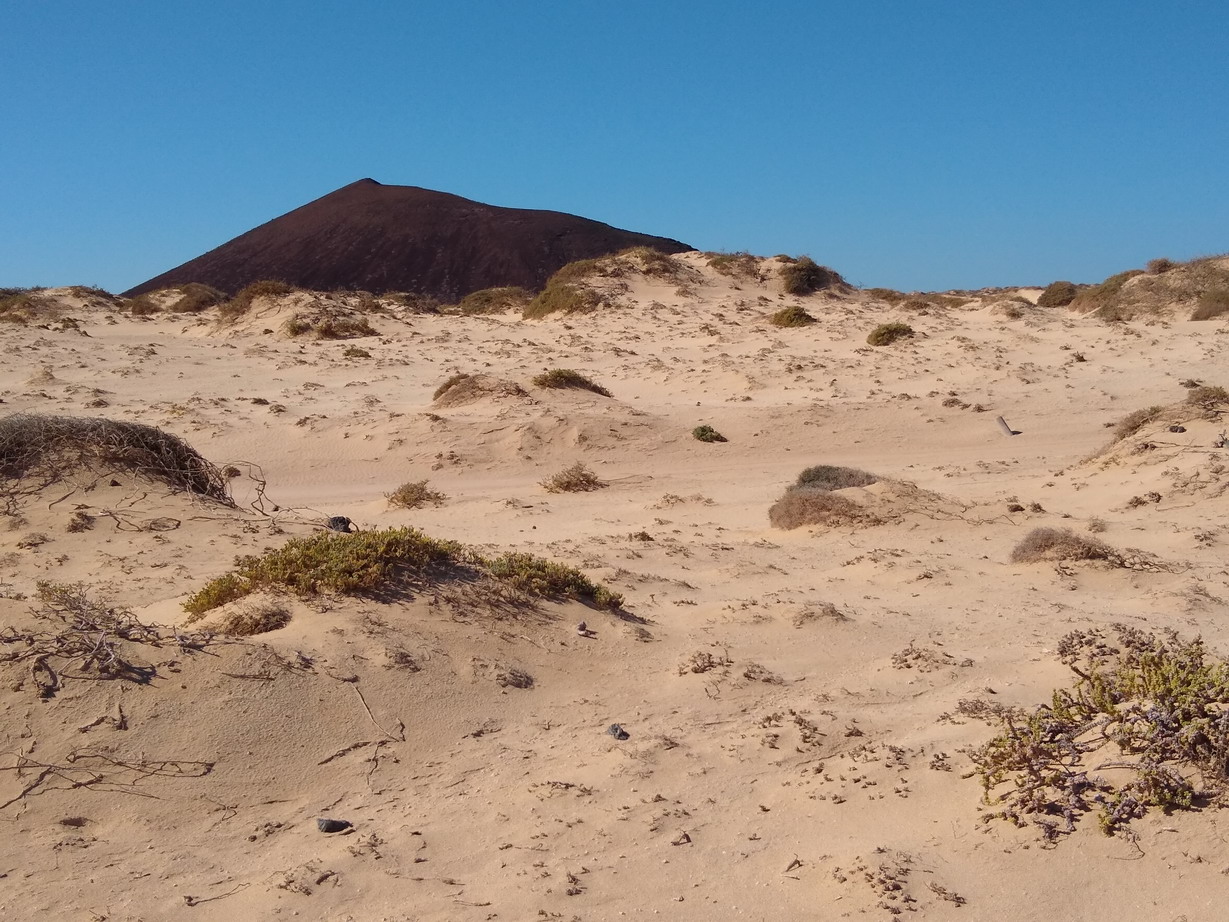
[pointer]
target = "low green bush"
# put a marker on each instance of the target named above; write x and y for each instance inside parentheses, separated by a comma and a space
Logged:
(887, 333)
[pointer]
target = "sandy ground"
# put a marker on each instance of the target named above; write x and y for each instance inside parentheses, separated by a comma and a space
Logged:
(815, 771)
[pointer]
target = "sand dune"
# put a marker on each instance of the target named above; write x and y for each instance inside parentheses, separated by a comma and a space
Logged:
(791, 697)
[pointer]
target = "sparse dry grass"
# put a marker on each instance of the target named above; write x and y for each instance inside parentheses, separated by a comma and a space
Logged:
(48, 448)
(494, 301)
(414, 494)
(740, 265)
(799, 507)
(792, 316)
(566, 378)
(241, 303)
(887, 333)
(249, 621)
(833, 477)
(804, 276)
(574, 479)
(1060, 544)
(1134, 421)
(378, 561)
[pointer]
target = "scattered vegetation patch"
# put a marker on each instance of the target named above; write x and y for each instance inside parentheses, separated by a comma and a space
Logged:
(797, 508)
(355, 352)
(653, 263)
(251, 620)
(1058, 294)
(366, 562)
(462, 388)
(574, 479)
(195, 297)
(890, 295)
(804, 276)
(1102, 298)
(1211, 304)
(1159, 266)
(418, 304)
(832, 477)
(566, 293)
(735, 265)
(329, 324)
(241, 303)
(49, 448)
(792, 316)
(1207, 397)
(1134, 421)
(347, 564)
(707, 434)
(1061, 544)
(569, 379)
(414, 494)
(535, 576)
(82, 638)
(1146, 710)
(887, 333)
(495, 300)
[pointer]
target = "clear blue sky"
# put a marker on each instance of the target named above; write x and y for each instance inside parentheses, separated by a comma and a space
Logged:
(911, 144)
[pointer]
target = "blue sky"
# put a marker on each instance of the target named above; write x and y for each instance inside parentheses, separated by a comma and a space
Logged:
(905, 143)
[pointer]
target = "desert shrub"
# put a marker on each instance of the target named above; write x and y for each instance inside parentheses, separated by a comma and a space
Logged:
(419, 304)
(82, 637)
(413, 494)
(804, 276)
(567, 378)
(451, 382)
(50, 447)
(574, 479)
(1134, 421)
(1211, 304)
(250, 621)
(887, 333)
(142, 306)
(343, 327)
(652, 263)
(1101, 298)
(494, 300)
(1150, 708)
(831, 477)
(707, 434)
(537, 577)
(242, 302)
(194, 297)
(793, 316)
(355, 352)
(1159, 266)
(348, 564)
(1207, 397)
(735, 265)
(797, 507)
(1060, 544)
(366, 562)
(890, 295)
(565, 292)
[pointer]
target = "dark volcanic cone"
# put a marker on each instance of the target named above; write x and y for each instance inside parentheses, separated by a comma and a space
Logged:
(378, 238)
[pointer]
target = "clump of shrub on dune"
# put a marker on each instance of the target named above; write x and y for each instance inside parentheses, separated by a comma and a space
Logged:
(241, 303)
(803, 276)
(49, 448)
(887, 333)
(464, 388)
(375, 561)
(1060, 544)
(567, 379)
(792, 316)
(810, 500)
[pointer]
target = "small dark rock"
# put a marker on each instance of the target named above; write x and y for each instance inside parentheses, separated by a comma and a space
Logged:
(618, 732)
(328, 825)
(338, 523)
(1177, 428)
